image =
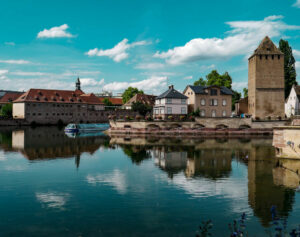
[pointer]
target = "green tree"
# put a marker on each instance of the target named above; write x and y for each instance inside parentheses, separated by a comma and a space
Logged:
(129, 93)
(107, 102)
(6, 110)
(235, 98)
(200, 82)
(141, 108)
(245, 91)
(289, 66)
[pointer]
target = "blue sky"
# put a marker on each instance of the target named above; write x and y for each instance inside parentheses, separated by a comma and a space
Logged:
(112, 44)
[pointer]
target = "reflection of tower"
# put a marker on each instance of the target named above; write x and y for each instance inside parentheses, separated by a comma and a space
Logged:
(78, 87)
(262, 192)
(287, 173)
(77, 160)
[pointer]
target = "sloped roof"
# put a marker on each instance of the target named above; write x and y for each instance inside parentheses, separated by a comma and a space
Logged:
(143, 98)
(297, 90)
(267, 47)
(201, 89)
(172, 93)
(58, 96)
(114, 101)
(10, 96)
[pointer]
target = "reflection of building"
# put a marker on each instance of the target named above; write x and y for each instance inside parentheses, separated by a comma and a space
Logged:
(287, 173)
(209, 163)
(262, 192)
(52, 143)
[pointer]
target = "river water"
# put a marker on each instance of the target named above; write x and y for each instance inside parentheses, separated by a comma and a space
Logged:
(58, 185)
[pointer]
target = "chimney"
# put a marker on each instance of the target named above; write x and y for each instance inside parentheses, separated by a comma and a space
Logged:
(171, 87)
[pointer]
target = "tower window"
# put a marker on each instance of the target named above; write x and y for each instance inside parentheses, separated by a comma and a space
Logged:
(260, 57)
(267, 57)
(272, 57)
(278, 56)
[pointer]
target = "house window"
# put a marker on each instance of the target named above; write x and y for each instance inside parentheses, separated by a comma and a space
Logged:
(213, 92)
(183, 101)
(202, 102)
(162, 110)
(156, 111)
(183, 110)
(224, 113)
(224, 102)
(202, 113)
(213, 102)
(169, 110)
(213, 113)
(169, 101)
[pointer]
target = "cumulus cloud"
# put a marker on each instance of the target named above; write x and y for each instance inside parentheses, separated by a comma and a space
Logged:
(20, 61)
(240, 85)
(3, 72)
(118, 52)
(55, 32)
(22, 73)
(298, 65)
(53, 199)
(149, 66)
(116, 179)
(153, 84)
(297, 4)
(188, 78)
(10, 43)
(241, 40)
(91, 82)
(296, 53)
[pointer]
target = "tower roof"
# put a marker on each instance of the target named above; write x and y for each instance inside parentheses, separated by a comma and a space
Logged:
(266, 47)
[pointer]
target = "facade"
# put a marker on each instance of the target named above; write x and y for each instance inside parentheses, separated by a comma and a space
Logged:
(241, 107)
(171, 102)
(59, 106)
(9, 97)
(266, 81)
(211, 101)
(143, 98)
(292, 106)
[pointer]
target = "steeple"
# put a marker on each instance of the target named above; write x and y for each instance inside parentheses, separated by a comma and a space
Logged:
(78, 87)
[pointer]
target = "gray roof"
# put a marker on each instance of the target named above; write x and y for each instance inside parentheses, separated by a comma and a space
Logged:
(201, 89)
(172, 93)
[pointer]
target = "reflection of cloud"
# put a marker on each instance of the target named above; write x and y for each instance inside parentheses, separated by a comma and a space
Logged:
(53, 199)
(116, 179)
(2, 156)
(15, 168)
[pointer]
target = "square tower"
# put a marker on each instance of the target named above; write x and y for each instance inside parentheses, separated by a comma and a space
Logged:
(266, 81)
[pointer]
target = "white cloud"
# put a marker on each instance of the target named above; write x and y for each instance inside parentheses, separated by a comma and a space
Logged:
(91, 82)
(188, 78)
(239, 85)
(241, 40)
(297, 4)
(207, 67)
(22, 73)
(21, 61)
(53, 199)
(149, 66)
(10, 43)
(3, 72)
(296, 53)
(154, 84)
(116, 179)
(118, 52)
(298, 65)
(55, 32)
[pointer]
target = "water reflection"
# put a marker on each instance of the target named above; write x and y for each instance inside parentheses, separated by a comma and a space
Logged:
(244, 170)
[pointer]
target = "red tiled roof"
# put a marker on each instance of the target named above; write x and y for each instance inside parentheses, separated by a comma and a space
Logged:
(58, 96)
(114, 101)
(145, 99)
(10, 96)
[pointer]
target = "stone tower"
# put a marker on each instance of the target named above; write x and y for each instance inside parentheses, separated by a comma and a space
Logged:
(266, 81)
(78, 87)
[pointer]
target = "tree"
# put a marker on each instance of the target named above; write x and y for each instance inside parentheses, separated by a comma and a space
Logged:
(200, 82)
(129, 93)
(6, 110)
(141, 108)
(107, 102)
(235, 98)
(289, 66)
(245, 91)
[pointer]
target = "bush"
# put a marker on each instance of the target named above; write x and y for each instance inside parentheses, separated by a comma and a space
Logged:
(182, 117)
(170, 117)
(6, 110)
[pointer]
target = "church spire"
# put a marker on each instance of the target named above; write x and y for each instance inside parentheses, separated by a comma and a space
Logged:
(78, 87)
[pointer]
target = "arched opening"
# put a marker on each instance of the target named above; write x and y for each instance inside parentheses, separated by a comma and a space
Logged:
(244, 126)
(175, 126)
(152, 127)
(221, 126)
(198, 126)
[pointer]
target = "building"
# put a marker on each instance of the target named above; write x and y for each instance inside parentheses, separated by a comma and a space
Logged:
(116, 102)
(211, 101)
(59, 106)
(171, 102)
(241, 107)
(266, 81)
(292, 106)
(9, 97)
(143, 98)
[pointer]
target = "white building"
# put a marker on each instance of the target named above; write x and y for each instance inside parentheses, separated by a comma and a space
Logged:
(292, 102)
(171, 102)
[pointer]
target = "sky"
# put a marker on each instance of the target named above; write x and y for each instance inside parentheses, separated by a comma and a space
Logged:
(112, 45)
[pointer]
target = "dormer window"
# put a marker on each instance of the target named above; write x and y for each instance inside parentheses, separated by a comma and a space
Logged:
(213, 92)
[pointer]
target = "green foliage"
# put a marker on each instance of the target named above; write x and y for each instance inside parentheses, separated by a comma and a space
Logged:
(245, 91)
(107, 102)
(289, 66)
(235, 98)
(129, 93)
(141, 108)
(6, 110)
(136, 154)
(200, 82)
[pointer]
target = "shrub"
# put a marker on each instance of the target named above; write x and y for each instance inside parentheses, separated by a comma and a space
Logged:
(6, 110)
(182, 117)
(170, 117)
